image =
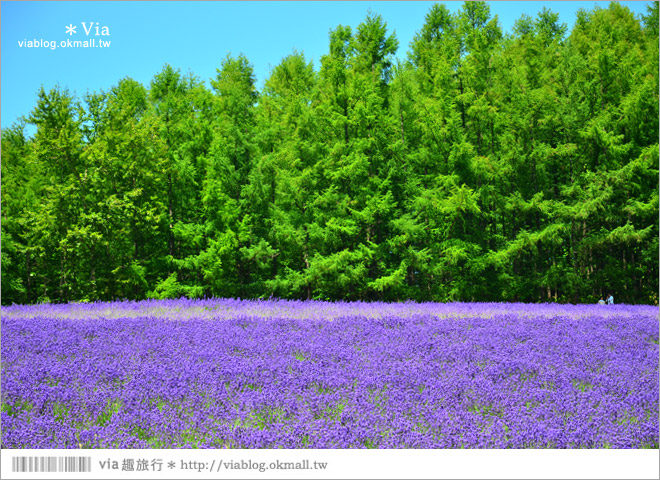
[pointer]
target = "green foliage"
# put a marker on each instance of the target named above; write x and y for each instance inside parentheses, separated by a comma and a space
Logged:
(487, 166)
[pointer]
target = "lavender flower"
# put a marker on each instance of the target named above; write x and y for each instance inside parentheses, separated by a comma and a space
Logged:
(267, 374)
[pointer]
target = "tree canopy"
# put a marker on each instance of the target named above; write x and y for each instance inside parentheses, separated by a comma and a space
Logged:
(486, 166)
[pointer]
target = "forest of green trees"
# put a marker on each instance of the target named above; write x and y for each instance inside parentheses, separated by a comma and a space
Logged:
(484, 167)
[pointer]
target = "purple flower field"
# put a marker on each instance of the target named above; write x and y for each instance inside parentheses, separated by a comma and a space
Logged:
(271, 374)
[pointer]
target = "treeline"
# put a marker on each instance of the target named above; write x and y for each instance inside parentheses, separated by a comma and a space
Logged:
(487, 167)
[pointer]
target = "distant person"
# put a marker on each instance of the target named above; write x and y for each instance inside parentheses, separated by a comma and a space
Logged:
(610, 300)
(601, 301)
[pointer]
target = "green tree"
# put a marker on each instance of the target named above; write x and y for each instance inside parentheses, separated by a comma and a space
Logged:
(284, 183)
(127, 216)
(357, 126)
(22, 180)
(231, 158)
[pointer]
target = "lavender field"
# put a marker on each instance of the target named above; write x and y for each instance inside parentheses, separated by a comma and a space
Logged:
(270, 374)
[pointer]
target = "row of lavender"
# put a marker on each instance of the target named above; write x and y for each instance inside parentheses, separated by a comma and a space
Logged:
(226, 308)
(268, 374)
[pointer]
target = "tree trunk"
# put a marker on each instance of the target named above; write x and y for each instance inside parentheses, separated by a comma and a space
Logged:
(170, 207)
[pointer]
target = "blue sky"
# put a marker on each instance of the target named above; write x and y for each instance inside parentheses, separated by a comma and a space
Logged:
(193, 36)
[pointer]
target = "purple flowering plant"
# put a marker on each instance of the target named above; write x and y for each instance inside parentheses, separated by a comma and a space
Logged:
(228, 373)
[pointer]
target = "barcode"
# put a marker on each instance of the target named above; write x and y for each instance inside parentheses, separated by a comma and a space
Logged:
(51, 464)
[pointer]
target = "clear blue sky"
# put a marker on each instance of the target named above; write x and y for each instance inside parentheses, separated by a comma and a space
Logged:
(194, 36)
